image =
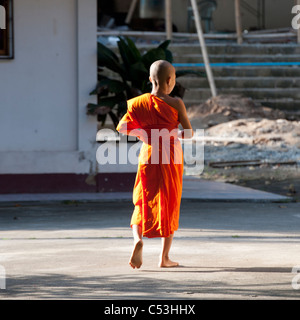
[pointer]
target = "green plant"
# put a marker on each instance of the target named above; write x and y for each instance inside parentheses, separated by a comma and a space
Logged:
(131, 80)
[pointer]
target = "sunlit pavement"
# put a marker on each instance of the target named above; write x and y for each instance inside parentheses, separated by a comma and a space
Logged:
(80, 250)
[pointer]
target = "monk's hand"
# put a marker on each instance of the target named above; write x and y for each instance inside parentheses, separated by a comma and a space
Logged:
(185, 134)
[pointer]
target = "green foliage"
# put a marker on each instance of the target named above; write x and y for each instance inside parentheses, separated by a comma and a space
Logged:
(132, 70)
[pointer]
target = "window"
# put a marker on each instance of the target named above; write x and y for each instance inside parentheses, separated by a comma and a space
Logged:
(6, 29)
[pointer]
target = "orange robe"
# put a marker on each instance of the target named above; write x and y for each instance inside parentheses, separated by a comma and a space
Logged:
(158, 185)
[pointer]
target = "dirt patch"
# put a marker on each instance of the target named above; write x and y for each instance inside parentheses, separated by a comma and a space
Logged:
(266, 132)
(225, 108)
(241, 130)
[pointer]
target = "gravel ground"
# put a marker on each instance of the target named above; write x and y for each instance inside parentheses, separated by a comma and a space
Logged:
(237, 129)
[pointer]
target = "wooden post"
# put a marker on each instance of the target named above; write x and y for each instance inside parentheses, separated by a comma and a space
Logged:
(203, 49)
(168, 19)
(238, 22)
(131, 11)
(298, 32)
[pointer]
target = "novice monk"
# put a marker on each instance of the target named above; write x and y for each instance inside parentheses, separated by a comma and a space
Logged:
(158, 185)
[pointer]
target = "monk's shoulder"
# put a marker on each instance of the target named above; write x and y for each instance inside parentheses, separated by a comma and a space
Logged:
(137, 101)
(176, 103)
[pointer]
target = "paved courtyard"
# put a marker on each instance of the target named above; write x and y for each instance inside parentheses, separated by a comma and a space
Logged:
(80, 250)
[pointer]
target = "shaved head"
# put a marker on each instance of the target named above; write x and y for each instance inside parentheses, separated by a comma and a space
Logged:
(160, 71)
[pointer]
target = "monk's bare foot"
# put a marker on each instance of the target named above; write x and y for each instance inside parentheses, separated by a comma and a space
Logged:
(136, 256)
(167, 263)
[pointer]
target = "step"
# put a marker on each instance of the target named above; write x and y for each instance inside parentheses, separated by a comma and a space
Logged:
(282, 104)
(218, 58)
(241, 82)
(290, 71)
(227, 48)
(254, 93)
(273, 86)
(232, 48)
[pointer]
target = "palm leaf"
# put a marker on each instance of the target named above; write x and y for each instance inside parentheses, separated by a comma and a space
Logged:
(135, 53)
(152, 55)
(164, 45)
(168, 53)
(107, 58)
(109, 102)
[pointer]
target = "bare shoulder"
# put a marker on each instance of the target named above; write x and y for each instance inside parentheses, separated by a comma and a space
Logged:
(176, 103)
(179, 105)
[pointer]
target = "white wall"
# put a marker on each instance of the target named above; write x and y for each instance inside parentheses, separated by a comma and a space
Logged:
(38, 87)
(45, 88)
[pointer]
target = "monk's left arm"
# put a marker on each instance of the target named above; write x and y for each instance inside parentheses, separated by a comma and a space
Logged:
(187, 132)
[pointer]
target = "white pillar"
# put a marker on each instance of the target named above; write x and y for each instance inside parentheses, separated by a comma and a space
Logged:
(87, 71)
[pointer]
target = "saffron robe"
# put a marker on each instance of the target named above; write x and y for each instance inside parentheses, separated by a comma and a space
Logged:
(158, 184)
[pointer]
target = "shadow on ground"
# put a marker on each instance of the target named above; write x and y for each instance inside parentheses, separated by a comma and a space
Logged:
(144, 285)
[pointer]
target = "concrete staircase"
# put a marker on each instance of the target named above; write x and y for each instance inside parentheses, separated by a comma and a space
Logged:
(273, 86)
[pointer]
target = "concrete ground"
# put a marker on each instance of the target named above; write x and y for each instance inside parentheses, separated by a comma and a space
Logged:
(193, 188)
(80, 250)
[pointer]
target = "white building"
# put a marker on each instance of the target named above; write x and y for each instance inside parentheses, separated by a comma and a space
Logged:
(47, 142)
(48, 67)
